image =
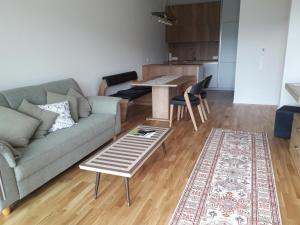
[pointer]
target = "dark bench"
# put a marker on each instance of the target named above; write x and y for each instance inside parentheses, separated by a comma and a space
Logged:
(120, 86)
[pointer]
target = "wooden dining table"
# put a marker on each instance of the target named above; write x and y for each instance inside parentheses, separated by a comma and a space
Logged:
(164, 88)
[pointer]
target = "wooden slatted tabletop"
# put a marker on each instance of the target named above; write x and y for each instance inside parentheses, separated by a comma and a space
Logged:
(125, 156)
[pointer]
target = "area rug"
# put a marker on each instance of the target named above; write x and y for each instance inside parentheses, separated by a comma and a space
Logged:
(231, 183)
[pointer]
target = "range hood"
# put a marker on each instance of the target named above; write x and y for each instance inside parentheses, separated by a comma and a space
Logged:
(166, 17)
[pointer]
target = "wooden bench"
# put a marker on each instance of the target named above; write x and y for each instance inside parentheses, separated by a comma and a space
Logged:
(118, 85)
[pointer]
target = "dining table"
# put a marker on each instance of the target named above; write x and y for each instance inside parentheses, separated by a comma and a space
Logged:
(164, 88)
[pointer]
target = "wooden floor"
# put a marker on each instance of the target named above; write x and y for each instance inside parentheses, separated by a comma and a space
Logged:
(157, 187)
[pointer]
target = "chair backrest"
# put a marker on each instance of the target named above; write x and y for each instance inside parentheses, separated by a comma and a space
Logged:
(114, 83)
(207, 81)
(197, 88)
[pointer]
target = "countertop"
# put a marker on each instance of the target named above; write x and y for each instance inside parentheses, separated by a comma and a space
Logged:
(200, 62)
(184, 63)
(294, 90)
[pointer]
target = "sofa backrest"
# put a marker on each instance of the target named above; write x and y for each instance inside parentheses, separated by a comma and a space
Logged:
(36, 94)
(120, 78)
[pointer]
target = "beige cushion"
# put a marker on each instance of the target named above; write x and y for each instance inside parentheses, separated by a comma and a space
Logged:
(16, 128)
(55, 98)
(84, 108)
(46, 117)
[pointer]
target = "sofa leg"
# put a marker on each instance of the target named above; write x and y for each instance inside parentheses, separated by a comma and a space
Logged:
(6, 211)
(115, 137)
(124, 107)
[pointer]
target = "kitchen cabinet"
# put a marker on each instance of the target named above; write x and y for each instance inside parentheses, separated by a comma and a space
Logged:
(196, 23)
(211, 68)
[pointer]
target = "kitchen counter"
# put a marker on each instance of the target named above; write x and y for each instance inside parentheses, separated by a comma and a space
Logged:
(294, 90)
(201, 62)
(153, 70)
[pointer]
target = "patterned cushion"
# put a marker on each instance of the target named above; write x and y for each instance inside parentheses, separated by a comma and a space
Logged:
(64, 120)
(73, 102)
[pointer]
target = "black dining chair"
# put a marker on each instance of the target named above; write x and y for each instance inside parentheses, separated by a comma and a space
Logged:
(191, 98)
(203, 93)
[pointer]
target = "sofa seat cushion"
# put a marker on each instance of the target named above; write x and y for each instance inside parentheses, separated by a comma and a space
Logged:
(42, 152)
(132, 93)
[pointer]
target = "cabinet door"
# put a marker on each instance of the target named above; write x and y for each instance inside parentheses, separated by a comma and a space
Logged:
(213, 10)
(196, 23)
(211, 69)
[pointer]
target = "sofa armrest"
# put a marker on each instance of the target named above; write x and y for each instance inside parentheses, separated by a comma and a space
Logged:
(8, 155)
(9, 192)
(107, 105)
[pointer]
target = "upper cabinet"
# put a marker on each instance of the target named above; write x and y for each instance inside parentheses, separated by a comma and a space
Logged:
(196, 23)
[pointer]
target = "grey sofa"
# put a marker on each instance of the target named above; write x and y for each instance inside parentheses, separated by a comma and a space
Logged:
(45, 158)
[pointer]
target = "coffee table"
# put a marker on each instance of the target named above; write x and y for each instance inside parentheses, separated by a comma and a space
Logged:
(126, 155)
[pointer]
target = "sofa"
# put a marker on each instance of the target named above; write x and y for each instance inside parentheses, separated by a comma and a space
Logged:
(45, 158)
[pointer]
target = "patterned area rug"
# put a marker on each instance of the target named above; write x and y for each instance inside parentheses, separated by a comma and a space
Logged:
(231, 183)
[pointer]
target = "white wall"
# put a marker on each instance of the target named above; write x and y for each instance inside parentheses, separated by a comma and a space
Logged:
(48, 40)
(292, 62)
(263, 25)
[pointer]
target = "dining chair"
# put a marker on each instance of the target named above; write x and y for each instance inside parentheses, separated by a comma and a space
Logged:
(190, 98)
(203, 93)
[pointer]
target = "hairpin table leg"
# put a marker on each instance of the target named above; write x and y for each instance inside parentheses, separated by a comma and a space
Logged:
(126, 179)
(97, 184)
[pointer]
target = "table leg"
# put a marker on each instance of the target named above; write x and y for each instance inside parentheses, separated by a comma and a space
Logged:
(97, 184)
(163, 145)
(160, 103)
(126, 180)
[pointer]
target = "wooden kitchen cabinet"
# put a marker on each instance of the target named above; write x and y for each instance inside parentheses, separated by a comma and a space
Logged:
(196, 23)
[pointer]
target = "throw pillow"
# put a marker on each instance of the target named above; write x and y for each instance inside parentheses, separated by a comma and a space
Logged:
(55, 98)
(84, 108)
(16, 128)
(46, 117)
(64, 119)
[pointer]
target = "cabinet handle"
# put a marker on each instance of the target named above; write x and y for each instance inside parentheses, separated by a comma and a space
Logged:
(297, 147)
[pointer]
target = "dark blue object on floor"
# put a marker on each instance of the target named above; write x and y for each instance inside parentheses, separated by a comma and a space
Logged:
(284, 121)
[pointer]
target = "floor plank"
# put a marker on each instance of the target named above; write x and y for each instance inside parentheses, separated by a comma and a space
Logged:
(157, 186)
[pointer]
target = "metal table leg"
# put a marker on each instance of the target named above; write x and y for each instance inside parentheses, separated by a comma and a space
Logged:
(164, 148)
(97, 184)
(126, 179)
